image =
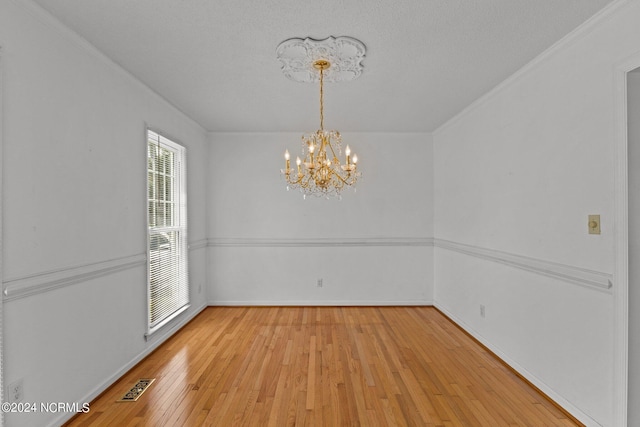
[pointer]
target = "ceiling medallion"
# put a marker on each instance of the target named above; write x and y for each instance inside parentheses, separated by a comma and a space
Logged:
(319, 172)
(345, 55)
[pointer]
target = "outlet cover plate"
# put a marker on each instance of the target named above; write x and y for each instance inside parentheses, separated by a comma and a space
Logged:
(15, 392)
(594, 224)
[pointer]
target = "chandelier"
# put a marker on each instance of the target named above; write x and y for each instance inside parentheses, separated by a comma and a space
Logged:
(320, 172)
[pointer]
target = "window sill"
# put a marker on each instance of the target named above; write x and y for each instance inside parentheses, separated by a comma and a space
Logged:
(159, 326)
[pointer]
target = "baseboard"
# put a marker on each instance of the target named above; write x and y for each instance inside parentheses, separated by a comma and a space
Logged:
(519, 370)
(162, 336)
(330, 303)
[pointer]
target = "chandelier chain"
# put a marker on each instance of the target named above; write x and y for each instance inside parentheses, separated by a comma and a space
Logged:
(321, 99)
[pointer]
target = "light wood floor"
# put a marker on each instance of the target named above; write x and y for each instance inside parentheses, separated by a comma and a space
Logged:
(323, 366)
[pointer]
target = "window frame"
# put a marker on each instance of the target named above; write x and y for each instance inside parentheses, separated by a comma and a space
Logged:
(178, 226)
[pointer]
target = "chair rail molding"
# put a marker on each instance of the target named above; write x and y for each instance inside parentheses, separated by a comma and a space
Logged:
(568, 273)
(43, 282)
(198, 244)
(319, 242)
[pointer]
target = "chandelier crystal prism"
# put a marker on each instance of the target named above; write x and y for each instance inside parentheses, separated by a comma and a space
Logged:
(320, 172)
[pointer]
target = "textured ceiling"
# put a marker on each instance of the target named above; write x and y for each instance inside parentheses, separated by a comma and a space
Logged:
(426, 59)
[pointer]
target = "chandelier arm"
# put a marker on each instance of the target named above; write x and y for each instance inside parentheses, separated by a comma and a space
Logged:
(340, 184)
(339, 176)
(294, 181)
(306, 183)
(332, 151)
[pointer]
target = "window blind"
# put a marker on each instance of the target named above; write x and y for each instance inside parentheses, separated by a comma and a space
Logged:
(168, 284)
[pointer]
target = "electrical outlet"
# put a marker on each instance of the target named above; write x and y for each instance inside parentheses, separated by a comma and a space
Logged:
(319, 284)
(482, 312)
(15, 392)
(594, 224)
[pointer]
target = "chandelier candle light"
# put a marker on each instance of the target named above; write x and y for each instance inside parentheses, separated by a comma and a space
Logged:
(320, 172)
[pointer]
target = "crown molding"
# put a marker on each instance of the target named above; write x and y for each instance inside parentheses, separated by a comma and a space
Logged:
(577, 34)
(44, 17)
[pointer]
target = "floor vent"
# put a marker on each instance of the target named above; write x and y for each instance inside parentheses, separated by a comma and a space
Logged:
(137, 390)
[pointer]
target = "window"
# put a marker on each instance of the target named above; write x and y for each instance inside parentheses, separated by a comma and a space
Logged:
(167, 230)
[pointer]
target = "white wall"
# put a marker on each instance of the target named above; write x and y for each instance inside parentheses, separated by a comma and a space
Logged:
(633, 114)
(269, 246)
(516, 176)
(513, 180)
(74, 204)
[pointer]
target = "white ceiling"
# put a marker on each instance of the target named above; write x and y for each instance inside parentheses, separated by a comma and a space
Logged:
(426, 59)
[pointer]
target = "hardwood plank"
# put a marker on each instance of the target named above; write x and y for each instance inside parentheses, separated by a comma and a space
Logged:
(324, 366)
